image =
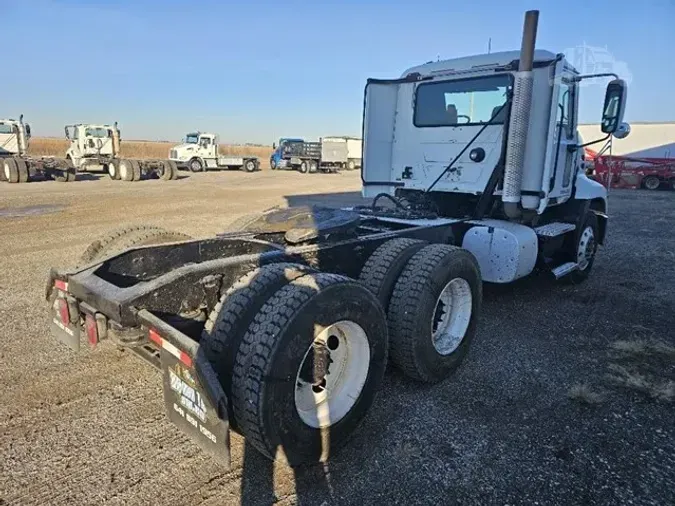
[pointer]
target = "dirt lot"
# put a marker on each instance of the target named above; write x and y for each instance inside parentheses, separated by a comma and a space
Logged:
(565, 398)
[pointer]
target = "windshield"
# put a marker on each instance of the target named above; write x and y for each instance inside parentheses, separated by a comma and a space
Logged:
(6, 129)
(463, 102)
(191, 139)
(100, 133)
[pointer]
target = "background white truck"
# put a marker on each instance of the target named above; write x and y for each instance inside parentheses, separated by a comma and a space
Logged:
(199, 152)
(15, 164)
(97, 147)
(354, 147)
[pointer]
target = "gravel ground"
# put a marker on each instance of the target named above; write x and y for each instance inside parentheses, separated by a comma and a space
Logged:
(548, 408)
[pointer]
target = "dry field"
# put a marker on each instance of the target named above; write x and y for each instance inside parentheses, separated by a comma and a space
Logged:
(52, 146)
(566, 396)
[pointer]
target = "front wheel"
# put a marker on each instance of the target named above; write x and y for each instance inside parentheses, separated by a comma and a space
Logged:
(652, 183)
(309, 366)
(584, 249)
(273, 164)
(196, 165)
(250, 166)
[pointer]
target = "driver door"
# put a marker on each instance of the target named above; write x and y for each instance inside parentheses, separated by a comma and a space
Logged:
(565, 132)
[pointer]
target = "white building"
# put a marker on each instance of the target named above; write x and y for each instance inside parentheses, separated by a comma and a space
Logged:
(646, 140)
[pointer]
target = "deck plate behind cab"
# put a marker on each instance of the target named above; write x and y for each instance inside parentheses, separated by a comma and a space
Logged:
(303, 223)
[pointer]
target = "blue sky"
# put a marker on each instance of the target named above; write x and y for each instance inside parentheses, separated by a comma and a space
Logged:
(256, 70)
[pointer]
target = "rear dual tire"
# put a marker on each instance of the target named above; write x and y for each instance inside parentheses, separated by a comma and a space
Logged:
(272, 341)
(129, 170)
(15, 170)
(433, 297)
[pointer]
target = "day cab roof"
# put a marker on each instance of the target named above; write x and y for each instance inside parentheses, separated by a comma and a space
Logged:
(477, 62)
(90, 125)
(198, 134)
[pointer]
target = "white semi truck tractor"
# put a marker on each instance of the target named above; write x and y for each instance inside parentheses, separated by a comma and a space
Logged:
(97, 147)
(16, 166)
(199, 152)
(283, 326)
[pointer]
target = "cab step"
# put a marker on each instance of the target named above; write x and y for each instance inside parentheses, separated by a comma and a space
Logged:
(554, 229)
(564, 269)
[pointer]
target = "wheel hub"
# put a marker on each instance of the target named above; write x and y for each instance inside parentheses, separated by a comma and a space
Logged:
(317, 365)
(332, 374)
(586, 248)
(452, 316)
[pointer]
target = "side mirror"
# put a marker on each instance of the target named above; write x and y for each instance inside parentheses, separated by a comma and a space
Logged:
(274, 145)
(615, 105)
(27, 130)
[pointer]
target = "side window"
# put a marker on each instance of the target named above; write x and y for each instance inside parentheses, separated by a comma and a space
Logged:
(205, 142)
(566, 109)
(75, 133)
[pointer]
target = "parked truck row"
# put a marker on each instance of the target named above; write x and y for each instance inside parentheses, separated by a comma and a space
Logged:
(330, 154)
(97, 147)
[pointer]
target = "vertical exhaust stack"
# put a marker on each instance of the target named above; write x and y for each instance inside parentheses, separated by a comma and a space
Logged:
(115, 141)
(21, 137)
(520, 119)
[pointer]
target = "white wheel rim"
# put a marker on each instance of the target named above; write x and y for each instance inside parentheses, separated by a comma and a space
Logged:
(586, 248)
(111, 169)
(451, 317)
(652, 183)
(6, 170)
(195, 166)
(326, 402)
(124, 171)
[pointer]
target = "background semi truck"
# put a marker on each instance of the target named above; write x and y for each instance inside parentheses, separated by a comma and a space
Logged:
(199, 152)
(97, 147)
(330, 154)
(283, 327)
(15, 164)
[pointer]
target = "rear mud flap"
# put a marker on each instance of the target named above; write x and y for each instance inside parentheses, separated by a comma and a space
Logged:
(194, 399)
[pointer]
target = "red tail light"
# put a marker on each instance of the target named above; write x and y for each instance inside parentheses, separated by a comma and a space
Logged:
(61, 285)
(92, 330)
(63, 312)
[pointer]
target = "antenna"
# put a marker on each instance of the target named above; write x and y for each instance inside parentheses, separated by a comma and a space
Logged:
(489, 45)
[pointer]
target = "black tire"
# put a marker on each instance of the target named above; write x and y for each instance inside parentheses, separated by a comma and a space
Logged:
(169, 170)
(113, 169)
(127, 237)
(195, 165)
(351, 165)
(64, 175)
(381, 271)
(651, 183)
(304, 167)
(11, 170)
(125, 169)
(273, 164)
(136, 169)
(572, 246)
(273, 350)
(250, 165)
(413, 307)
(22, 168)
(231, 317)
(3, 177)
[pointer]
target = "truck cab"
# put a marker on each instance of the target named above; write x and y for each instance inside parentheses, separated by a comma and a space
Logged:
(92, 145)
(196, 146)
(277, 160)
(14, 137)
(446, 130)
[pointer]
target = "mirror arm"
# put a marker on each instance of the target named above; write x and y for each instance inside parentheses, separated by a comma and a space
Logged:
(574, 147)
(591, 76)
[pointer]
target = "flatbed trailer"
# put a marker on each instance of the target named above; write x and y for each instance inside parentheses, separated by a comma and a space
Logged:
(633, 173)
